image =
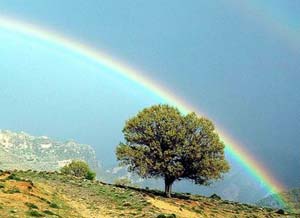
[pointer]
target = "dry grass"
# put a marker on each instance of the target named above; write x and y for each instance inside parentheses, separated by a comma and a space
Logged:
(33, 194)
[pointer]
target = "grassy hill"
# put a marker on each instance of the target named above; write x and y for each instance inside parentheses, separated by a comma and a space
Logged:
(48, 194)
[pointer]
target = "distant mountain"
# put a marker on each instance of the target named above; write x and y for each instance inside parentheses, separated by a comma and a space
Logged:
(292, 197)
(19, 150)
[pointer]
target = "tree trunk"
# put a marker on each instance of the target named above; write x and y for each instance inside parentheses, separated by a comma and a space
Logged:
(168, 186)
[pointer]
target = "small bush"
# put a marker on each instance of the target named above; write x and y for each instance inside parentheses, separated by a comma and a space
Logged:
(280, 211)
(166, 216)
(14, 177)
(13, 190)
(34, 213)
(215, 196)
(31, 205)
(78, 168)
(48, 212)
(13, 211)
(53, 205)
(127, 204)
(90, 175)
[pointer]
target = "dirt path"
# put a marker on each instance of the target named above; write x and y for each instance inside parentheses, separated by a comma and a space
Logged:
(169, 208)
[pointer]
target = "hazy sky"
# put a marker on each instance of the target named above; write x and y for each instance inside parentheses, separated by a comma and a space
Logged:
(237, 62)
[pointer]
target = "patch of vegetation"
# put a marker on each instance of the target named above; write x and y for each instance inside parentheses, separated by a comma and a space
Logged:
(166, 216)
(54, 205)
(115, 201)
(13, 190)
(14, 177)
(48, 212)
(34, 213)
(215, 196)
(13, 211)
(31, 205)
(198, 210)
(79, 168)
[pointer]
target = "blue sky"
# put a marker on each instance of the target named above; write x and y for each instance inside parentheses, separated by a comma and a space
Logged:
(228, 59)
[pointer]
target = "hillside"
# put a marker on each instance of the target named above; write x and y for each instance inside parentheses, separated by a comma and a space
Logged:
(291, 196)
(45, 194)
(19, 150)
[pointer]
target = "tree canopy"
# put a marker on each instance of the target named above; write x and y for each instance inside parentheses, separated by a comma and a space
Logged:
(162, 142)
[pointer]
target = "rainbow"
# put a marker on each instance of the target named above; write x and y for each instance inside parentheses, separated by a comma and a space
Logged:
(277, 23)
(237, 152)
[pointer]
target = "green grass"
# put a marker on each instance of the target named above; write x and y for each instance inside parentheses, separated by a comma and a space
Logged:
(2, 185)
(129, 202)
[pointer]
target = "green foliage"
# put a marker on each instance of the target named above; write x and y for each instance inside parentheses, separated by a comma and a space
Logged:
(54, 205)
(161, 142)
(90, 175)
(14, 177)
(34, 213)
(79, 168)
(48, 212)
(13, 190)
(31, 205)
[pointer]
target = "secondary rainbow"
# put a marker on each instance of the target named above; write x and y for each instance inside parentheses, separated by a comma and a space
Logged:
(237, 152)
(278, 23)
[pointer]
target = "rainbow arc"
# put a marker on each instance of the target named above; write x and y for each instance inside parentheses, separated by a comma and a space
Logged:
(236, 151)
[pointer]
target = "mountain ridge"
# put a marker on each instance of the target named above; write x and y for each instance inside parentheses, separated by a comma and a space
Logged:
(20, 150)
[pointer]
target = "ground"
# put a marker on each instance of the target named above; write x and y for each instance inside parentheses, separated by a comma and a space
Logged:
(45, 194)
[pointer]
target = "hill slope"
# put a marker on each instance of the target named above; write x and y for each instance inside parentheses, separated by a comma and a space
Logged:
(44, 194)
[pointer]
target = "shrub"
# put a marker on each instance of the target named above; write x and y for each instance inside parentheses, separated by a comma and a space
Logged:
(31, 205)
(78, 168)
(53, 205)
(48, 212)
(90, 175)
(166, 216)
(34, 213)
(215, 196)
(13, 190)
(13, 177)
(280, 211)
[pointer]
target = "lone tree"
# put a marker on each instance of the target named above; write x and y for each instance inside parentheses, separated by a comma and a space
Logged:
(78, 168)
(162, 142)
